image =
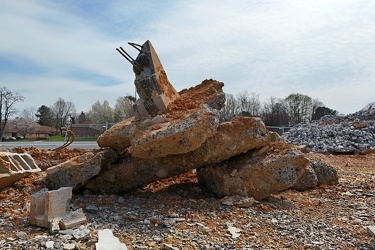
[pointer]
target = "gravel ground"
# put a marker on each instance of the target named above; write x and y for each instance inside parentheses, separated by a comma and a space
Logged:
(177, 213)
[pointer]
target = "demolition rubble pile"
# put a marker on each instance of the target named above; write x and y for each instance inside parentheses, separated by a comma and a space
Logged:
(177, 132)
(354, 133)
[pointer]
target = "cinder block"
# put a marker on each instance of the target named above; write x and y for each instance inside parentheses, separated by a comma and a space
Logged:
(73, 219)
(49, 205)
(15, 166)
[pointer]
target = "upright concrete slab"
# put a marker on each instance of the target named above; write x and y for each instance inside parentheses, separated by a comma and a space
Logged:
(152, 84)
(15, 166)
(49, 205)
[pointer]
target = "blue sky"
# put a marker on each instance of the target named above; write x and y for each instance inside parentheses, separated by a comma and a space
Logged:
(321, 48)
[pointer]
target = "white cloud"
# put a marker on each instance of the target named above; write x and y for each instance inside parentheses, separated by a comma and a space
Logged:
(274, 48)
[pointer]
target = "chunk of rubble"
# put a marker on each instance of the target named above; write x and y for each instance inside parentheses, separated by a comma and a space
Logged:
(77, 171)
(46, 206)
(151, 82)
(108, 241)
(191, 119)
(234, 231)
(319, 173)
(73, 219)
(371, 232)
(238, 201)
(15, 166)
(269, 173)
(174, 137)
(258, 177)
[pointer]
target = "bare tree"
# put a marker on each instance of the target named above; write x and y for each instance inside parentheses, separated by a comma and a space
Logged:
(62, 110)
(28, 113)
(7, 101)
(300, 108)
(123, 108)
(248, 104)
(275, 112)
(316, 103)
(243, 102)
(229, 109)
(24, 126)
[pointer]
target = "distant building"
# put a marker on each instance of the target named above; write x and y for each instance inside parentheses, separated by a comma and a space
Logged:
(44, 131)
(38, 131)
(87, 129)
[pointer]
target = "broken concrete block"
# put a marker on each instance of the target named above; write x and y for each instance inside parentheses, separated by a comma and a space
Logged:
(73, 219)
(45, 206)
(15, 166)
(77, 171)
(152, 84)
(258, 177)
(108, 241)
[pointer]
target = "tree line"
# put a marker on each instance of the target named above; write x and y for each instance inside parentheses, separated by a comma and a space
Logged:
(60, 114)
(293, 109)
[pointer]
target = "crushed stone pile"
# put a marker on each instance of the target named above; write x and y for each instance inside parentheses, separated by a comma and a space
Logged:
(350, 134)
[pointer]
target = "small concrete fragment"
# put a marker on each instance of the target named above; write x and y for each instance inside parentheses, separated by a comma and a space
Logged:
(108, 241)
(168, 247)
(54, 226)
(50, 244)
(73, 219)
(77, 171)
(371, 232)
(234, 231)
(46, 206)
(238, 201)
(15, 166)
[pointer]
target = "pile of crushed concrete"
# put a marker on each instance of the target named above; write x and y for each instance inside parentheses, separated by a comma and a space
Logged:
(351, 134)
